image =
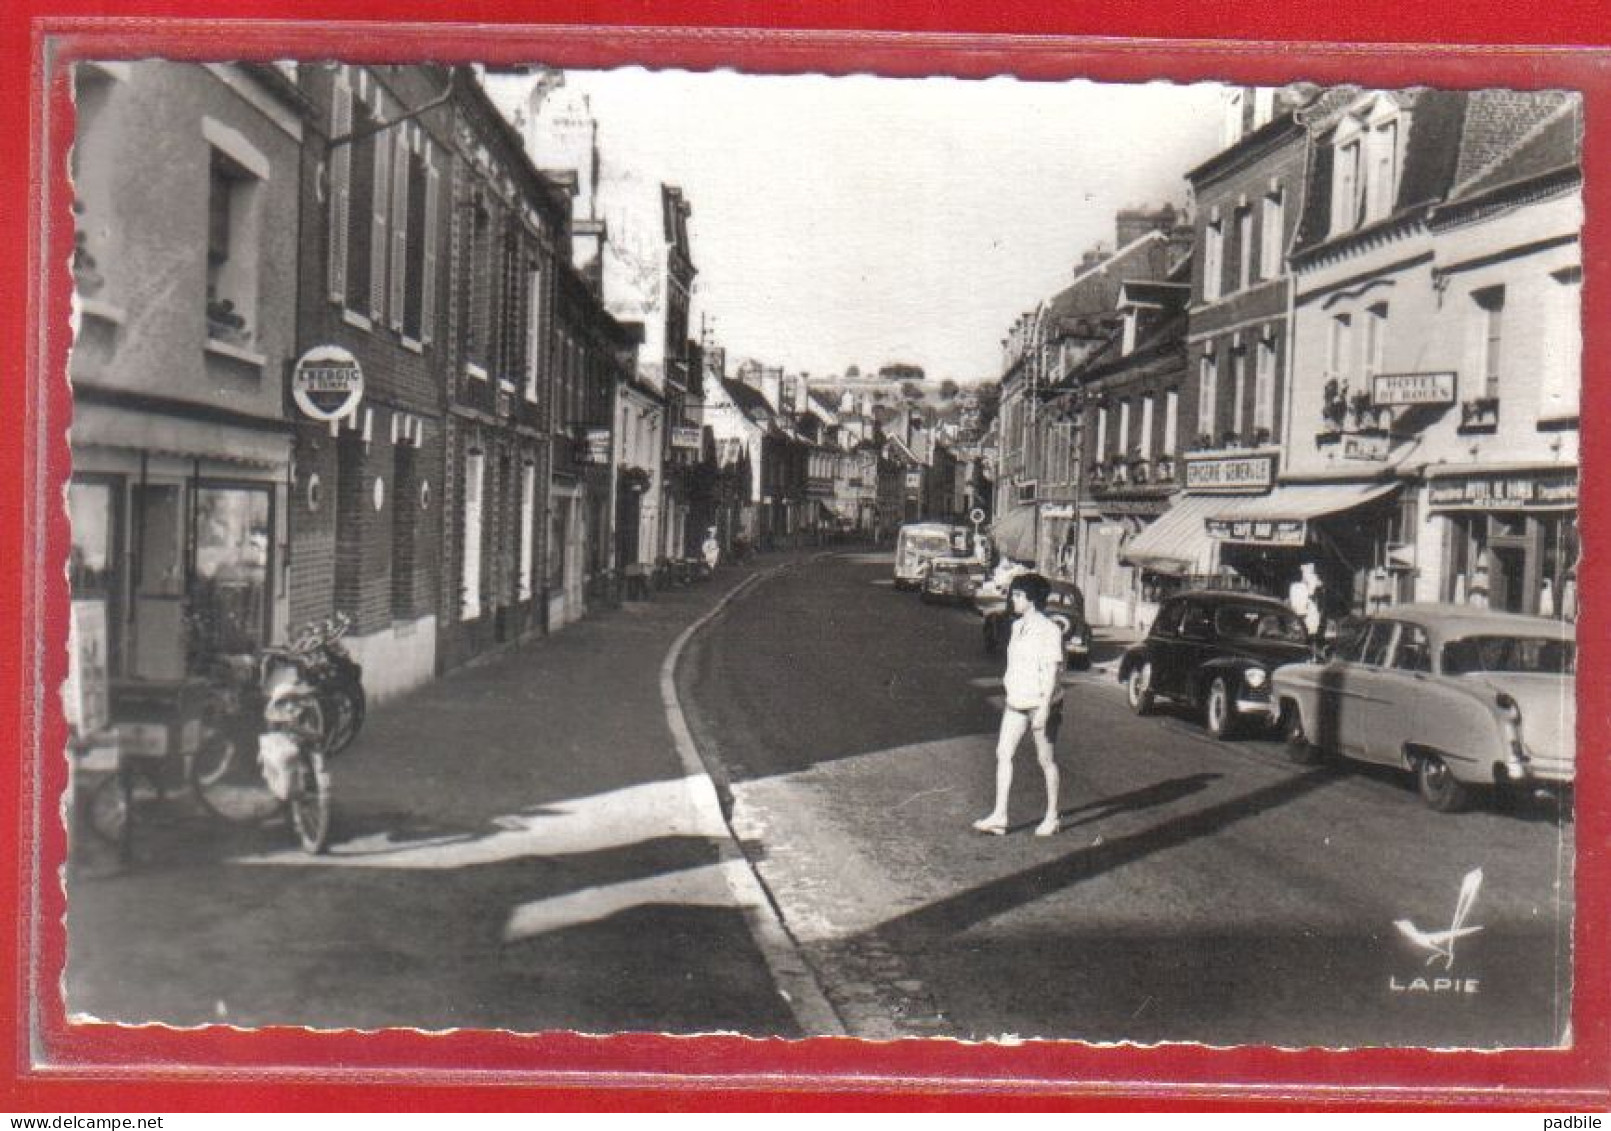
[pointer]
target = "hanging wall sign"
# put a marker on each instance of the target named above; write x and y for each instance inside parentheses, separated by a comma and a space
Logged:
(327, 383)
(1412, 388)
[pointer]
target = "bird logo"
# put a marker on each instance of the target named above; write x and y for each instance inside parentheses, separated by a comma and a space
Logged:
(1441, 943)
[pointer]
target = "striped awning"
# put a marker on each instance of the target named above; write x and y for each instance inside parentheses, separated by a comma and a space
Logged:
(1176, 542)
(1014, 534)
(1282, 517)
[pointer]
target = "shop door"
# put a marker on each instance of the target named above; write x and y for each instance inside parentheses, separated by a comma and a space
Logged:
(159, 583)
(1510, 591)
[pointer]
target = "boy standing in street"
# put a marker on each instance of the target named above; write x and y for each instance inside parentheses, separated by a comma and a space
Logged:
(1034, 688)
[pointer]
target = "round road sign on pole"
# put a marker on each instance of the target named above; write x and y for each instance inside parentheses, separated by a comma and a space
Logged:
(976, 515)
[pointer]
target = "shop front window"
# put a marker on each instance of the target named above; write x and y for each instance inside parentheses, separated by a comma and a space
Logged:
(229, 588)
(93, 510)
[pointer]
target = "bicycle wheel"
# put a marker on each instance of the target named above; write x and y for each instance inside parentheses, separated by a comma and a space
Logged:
(226, 780)
(112, 805)
(310, 803)
(344, 710)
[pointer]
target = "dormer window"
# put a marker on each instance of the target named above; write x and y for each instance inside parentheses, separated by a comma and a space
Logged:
(1366, 165)
(1132, 319)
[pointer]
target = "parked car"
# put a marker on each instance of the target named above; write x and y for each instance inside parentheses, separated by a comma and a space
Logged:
(1065, 605)
(918, 543)
(1214, 651)
(952, 581)
(1461, 697)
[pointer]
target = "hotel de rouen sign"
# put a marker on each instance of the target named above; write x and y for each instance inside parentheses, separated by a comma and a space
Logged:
(1394, 390)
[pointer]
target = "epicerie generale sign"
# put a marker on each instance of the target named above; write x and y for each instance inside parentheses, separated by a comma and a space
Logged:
(1229, 473)
(327, 383)
(1392, 389)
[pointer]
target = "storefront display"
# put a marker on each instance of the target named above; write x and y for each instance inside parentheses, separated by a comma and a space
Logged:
(1512, 541)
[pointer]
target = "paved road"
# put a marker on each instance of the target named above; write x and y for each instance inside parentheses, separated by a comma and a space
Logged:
(518, 846)
(1201, 891)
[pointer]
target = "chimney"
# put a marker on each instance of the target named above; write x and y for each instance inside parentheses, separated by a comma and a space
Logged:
(1094, 257)
(772, 385)
(1133, 223)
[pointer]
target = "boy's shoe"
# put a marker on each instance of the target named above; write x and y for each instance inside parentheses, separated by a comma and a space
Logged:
(993, 826)
(1049, 827)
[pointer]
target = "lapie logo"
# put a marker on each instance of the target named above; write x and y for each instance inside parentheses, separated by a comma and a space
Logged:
(1440, 945)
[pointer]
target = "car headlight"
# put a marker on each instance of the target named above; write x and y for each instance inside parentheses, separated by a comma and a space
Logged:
(1256, 677)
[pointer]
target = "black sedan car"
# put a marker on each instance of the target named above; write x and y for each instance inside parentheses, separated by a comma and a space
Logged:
(1065, 605)
(1214, 651)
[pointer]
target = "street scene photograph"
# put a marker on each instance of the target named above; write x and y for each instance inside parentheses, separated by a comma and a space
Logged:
(644, 551)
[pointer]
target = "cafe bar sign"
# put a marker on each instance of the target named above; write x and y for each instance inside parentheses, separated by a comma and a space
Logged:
(1225, 474)
(1395, 389)
(1539, 490)
(1258, 531)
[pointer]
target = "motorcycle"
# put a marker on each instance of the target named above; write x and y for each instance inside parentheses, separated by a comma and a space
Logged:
(295, 707)
(293, 750)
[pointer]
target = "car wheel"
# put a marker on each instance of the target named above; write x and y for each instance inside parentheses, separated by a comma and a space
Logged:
(1138, 688)
(1299, 749)
(1219, 712)
(1439, 788)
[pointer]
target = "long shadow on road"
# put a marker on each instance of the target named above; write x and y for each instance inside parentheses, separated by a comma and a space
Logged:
(955, 914)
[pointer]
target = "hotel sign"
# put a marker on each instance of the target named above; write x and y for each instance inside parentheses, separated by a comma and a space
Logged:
(593, 446)
(1550, 490)
(1388, 389)
(1258, 532)
(685, 437)
(1214, 474)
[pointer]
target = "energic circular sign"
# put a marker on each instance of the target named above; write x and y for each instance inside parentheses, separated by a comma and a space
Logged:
(327, 383)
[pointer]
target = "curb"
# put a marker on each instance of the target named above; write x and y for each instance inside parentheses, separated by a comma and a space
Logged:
(795, 981)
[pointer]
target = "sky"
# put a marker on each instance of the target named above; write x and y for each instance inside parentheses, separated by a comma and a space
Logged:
(864, 220)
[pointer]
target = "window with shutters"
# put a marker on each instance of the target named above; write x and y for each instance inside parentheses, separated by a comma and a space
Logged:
(1213, 260)
(470, 578)
(534, 335)
(1264, 387)
(366, 188)
(1272, 227)
(510, 323)
(1207, 398)
(416, 262)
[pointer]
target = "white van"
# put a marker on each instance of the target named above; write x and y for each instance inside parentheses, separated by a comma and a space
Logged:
(918, 543)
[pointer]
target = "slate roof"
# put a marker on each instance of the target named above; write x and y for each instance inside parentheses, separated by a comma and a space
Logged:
(1551, 145)
(1459, 143)
(749, 399)
(1087, 302)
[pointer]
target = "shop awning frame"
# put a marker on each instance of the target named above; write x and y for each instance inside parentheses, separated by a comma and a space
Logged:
(1014, 534)
(1282, 517)
(1177, 541)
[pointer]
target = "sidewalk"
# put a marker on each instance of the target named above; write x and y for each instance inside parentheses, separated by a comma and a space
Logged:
(517, 845)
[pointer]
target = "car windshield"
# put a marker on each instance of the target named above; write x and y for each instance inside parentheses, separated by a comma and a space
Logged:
(1529, 654)
(1252, 622)
(928, 544)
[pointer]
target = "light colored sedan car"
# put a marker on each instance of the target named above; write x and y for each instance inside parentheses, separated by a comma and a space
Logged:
(1462, 697)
